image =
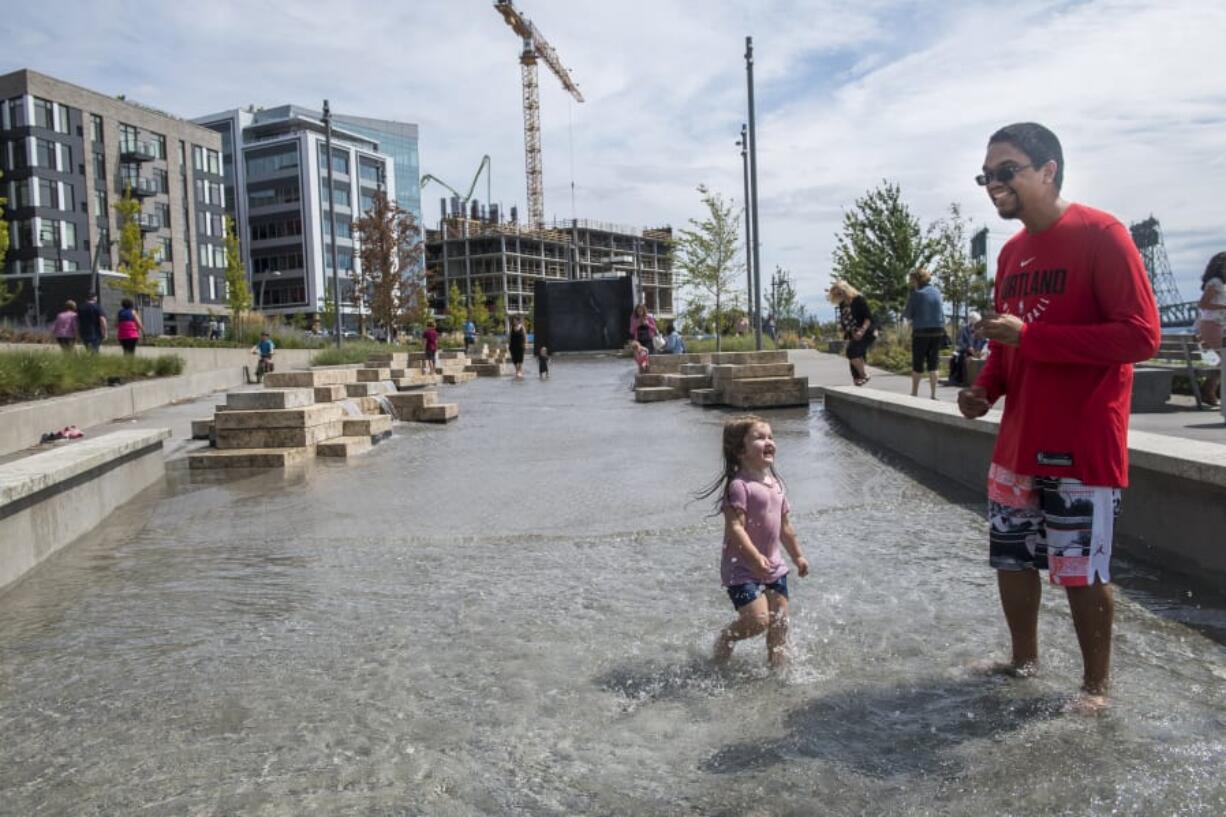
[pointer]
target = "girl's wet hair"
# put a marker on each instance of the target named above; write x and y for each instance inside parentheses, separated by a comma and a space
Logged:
(1215, 269)
(736, 429)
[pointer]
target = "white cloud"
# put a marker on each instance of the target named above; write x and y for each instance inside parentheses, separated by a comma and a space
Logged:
(890, 89)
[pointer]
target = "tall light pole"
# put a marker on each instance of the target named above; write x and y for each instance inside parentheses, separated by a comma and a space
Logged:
(744, 143)
(336, 270)
(753, 182)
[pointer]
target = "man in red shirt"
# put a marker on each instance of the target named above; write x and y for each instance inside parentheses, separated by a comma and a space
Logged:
(1073, 310)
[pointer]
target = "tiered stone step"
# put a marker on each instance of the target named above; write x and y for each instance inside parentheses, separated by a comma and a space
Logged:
(685, 383)
(766, 392)
(655, 394)
(416, 380)
(365, 389)
(454, 377)
(374, 375)
(278, 428)
(489, 368)
(695, 368)
(248, 458)
(344, 447)
(309, 379)
(723, 373)
(648, 380)
(705, 397)
(377, 427)
(202, 429)
(423, 407)
(270, 399)
(330, 394)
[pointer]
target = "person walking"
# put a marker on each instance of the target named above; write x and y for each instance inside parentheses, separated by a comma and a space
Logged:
(470, 334)
(1073, 311)
(517, 342)
(128, 326)
(429, 339)
(927, 316)
(91, 323)
(1211, 321)
(856, 319)
(64, 328)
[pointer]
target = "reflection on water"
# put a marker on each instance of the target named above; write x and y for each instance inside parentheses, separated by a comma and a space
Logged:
(511, 615)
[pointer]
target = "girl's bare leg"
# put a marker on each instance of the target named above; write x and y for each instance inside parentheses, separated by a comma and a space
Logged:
(777, 631)
(751, 620)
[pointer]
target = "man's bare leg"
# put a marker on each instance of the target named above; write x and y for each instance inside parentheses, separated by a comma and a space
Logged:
(915, 380)
(1093, 609)
(1020, 594)
(932, 383)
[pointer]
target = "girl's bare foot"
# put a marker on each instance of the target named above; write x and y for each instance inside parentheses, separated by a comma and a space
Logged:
(986, 666)
(722, 653)
(1087, 703)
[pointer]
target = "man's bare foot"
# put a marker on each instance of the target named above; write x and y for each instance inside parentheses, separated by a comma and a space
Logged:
(1087, 703)
(986, 666)
(722, 653)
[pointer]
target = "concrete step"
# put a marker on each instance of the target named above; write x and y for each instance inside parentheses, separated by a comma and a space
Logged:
(202, 429)
(769, 399)
(438, 413)
(328, 394)
(364, 389)
(654, 394)
(461, 376)
(409, 403)
(376, 425)
(373, 375)
(453, 354)
(705, 397)
(723, 372)
(685, 382)
(248, 458)
(309, 379)
(648, 380)
(303, 417)
(270, 399)
(695, 368)
(767, 392)
(343, 447)
(748, 358)
(388, 360)
(489, 369)
(277, 437)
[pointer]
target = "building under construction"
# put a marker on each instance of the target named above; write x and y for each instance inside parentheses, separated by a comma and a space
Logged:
(508, 259)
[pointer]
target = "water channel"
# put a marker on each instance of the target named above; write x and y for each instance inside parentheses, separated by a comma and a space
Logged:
(511, 616)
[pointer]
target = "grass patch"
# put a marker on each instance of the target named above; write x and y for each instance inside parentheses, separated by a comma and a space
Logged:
(728, 343)
(353, 352)
(34, 374)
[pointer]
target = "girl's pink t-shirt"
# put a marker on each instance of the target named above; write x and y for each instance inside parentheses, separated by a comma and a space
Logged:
(764, 507)
(65, 325)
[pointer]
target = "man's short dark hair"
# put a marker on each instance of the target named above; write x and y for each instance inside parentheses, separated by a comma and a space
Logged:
(1038, 143)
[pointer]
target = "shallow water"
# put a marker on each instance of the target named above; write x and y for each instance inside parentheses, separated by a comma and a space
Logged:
(511, 616)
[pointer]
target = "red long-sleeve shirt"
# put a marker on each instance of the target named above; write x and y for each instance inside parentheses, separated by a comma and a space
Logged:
(1088, 313)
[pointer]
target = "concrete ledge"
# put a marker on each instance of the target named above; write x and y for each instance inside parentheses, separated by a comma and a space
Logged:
(22, 425)
(1174, 511)
(196, 359)
(50, 498)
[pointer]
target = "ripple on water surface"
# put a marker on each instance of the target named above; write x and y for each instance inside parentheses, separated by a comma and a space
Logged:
(511, 615)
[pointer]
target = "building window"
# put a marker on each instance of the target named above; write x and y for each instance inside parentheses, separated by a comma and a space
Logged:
(44, 114)
(100, 206)
(44, 153)
(48, 193)
(370, 171)
(159, 145)
(162, 178)
(48, 232)
(96, 127)
(21, 194)
(17, 112)
(340, 161)
(213, 162)
(215, 197)
(99, 167)
(70, 235)
(340, 195)
(163, 209)
(68, 198)
(265, 164)
(128, 136)
(198, 158)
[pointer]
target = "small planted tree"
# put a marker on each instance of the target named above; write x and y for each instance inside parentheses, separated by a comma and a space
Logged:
(881, 244)
(958, 277)
(390, 249)
(327, 310)
(7, 296)
(457, 313)
(781, 300)
(707, 255)
(135, 262)
(238, 291)
(499, 318)
(478, 310)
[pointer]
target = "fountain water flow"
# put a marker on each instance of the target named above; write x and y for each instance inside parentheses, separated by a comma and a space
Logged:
(388, 407)
(350, 408)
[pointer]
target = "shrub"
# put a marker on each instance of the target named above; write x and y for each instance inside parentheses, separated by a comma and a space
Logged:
(729, 343)
(27, 375)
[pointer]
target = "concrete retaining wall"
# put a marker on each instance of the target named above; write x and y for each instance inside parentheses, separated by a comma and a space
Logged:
(195, 359)
(1173, 514)
(49, 499)
(22, 425)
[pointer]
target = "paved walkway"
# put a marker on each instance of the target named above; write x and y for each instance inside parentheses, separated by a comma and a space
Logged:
(1181, 419)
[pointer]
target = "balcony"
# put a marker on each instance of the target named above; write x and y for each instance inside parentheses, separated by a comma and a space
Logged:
(142, 187)
(149, 222)
(137, 151)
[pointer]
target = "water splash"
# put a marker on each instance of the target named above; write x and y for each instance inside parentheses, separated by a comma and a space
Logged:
(389, 408)
(350, 408)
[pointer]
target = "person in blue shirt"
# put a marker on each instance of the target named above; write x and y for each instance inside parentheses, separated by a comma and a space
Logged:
(673, 344)
(470, 334)
(967, 346)
(927, 316)
(265, 349)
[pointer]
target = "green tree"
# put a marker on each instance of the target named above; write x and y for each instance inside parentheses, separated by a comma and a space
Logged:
(478, 309)
(456, 311)
(881, 244)
(499, 318)
(390, 249)
(238, 291)
(327, 312)
(135, 262)
(781, 300)
(694, 317)
(707, 256)
(956, 275)
(7, 296)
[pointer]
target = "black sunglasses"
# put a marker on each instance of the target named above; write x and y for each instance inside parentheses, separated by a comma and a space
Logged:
(1004, 175)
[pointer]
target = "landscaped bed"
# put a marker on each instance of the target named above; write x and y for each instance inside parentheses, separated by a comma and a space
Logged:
(45, 373)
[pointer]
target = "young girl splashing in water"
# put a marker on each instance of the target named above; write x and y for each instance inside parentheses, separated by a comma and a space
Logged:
(756, 523)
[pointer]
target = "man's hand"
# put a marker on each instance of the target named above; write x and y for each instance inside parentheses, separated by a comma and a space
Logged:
(973, 402)
(1006, 329)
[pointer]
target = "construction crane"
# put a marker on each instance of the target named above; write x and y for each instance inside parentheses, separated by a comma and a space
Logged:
(536, 47)
(464, 199)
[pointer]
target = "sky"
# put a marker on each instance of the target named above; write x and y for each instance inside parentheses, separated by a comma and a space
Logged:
(847, 95)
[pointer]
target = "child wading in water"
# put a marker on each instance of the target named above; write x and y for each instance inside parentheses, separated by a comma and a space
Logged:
(756, 523)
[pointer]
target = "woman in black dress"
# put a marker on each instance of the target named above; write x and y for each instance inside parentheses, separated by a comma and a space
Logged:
(857, 321)
(517, 342)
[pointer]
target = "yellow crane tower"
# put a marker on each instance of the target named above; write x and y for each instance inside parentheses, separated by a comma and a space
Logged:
(535, 47)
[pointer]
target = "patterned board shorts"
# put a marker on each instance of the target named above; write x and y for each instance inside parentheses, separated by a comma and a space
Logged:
(1051, 523)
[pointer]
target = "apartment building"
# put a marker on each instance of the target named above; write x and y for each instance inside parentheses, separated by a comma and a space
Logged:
(274, 159)
(68, 154)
